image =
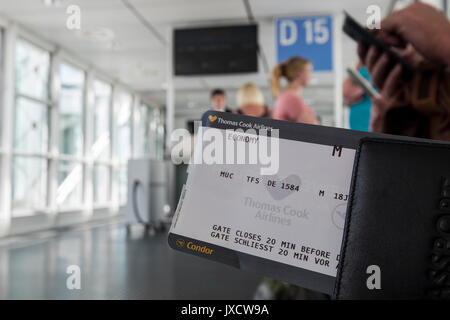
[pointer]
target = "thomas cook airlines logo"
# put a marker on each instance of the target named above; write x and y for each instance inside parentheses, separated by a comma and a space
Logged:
(180, 243)
(212, 118)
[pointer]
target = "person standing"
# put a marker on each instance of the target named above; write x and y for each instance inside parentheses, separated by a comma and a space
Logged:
(289, 105)
(218, 100)
(250, 101)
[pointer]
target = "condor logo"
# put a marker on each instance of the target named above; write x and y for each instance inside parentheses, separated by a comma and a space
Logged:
(180, 243)
(201, 249)
(440, 258)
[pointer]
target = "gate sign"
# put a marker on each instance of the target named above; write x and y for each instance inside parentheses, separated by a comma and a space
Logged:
(310, 37)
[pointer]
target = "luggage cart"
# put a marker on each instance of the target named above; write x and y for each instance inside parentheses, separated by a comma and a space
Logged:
(149, 194)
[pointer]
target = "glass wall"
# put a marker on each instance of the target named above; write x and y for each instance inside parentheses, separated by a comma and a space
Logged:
(101, 145)
(123, 111)
(72, 135)
(70, 118)
(150, 132)
(31, 128)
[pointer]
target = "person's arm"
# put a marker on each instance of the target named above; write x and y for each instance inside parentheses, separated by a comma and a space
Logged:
(377, 113)
(421, 30)
(424, 34)
(424, 27)
(290, 107)
(352, 93)
(306, 114)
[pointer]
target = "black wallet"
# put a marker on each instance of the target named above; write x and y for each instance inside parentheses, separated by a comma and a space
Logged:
(398, 220)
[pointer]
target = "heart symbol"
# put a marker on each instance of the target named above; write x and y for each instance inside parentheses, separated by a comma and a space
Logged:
(212, 118)
(277, 193)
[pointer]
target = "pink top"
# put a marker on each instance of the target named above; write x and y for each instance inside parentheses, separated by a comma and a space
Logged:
(290, 107)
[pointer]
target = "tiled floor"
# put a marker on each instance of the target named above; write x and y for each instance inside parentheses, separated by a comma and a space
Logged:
(114, 265)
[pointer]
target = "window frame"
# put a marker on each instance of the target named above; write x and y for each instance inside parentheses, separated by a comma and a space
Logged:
(52, 215)
(47, 156)
(62, 157)
(109, 163)
(119, 166)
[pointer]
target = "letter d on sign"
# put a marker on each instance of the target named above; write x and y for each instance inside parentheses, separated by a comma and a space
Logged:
(374, 280)
(74, 280)
(284, 26)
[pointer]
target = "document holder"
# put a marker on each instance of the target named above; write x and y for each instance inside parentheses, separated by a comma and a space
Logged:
(396, 242)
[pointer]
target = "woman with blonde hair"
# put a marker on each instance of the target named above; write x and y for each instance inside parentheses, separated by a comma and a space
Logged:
(289, 105)
(250, 101)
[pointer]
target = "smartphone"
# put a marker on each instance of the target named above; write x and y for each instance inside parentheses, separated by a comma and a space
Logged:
(360, 34)
(362, 82)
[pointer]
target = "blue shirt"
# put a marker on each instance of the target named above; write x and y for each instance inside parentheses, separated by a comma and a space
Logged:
(360, 112)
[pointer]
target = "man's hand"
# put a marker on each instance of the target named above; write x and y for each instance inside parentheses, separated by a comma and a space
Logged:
(386, 80)
(352, 93)
(377, 113)
(416, 33)
(422, 26)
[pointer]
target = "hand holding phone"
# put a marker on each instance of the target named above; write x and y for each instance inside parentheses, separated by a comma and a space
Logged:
(424, 27)
(360, 34)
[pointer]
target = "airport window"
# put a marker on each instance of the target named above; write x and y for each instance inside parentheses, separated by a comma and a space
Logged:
(156, 145)
(101, 183)
(31, 127)
(70, 176)
(123, 126)
(143, 128)
(150, 132)
(71, 110)
(70, 137)
(101, 146)
(72, 132)
(31, 70)
(123, 143)
(29, 184)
